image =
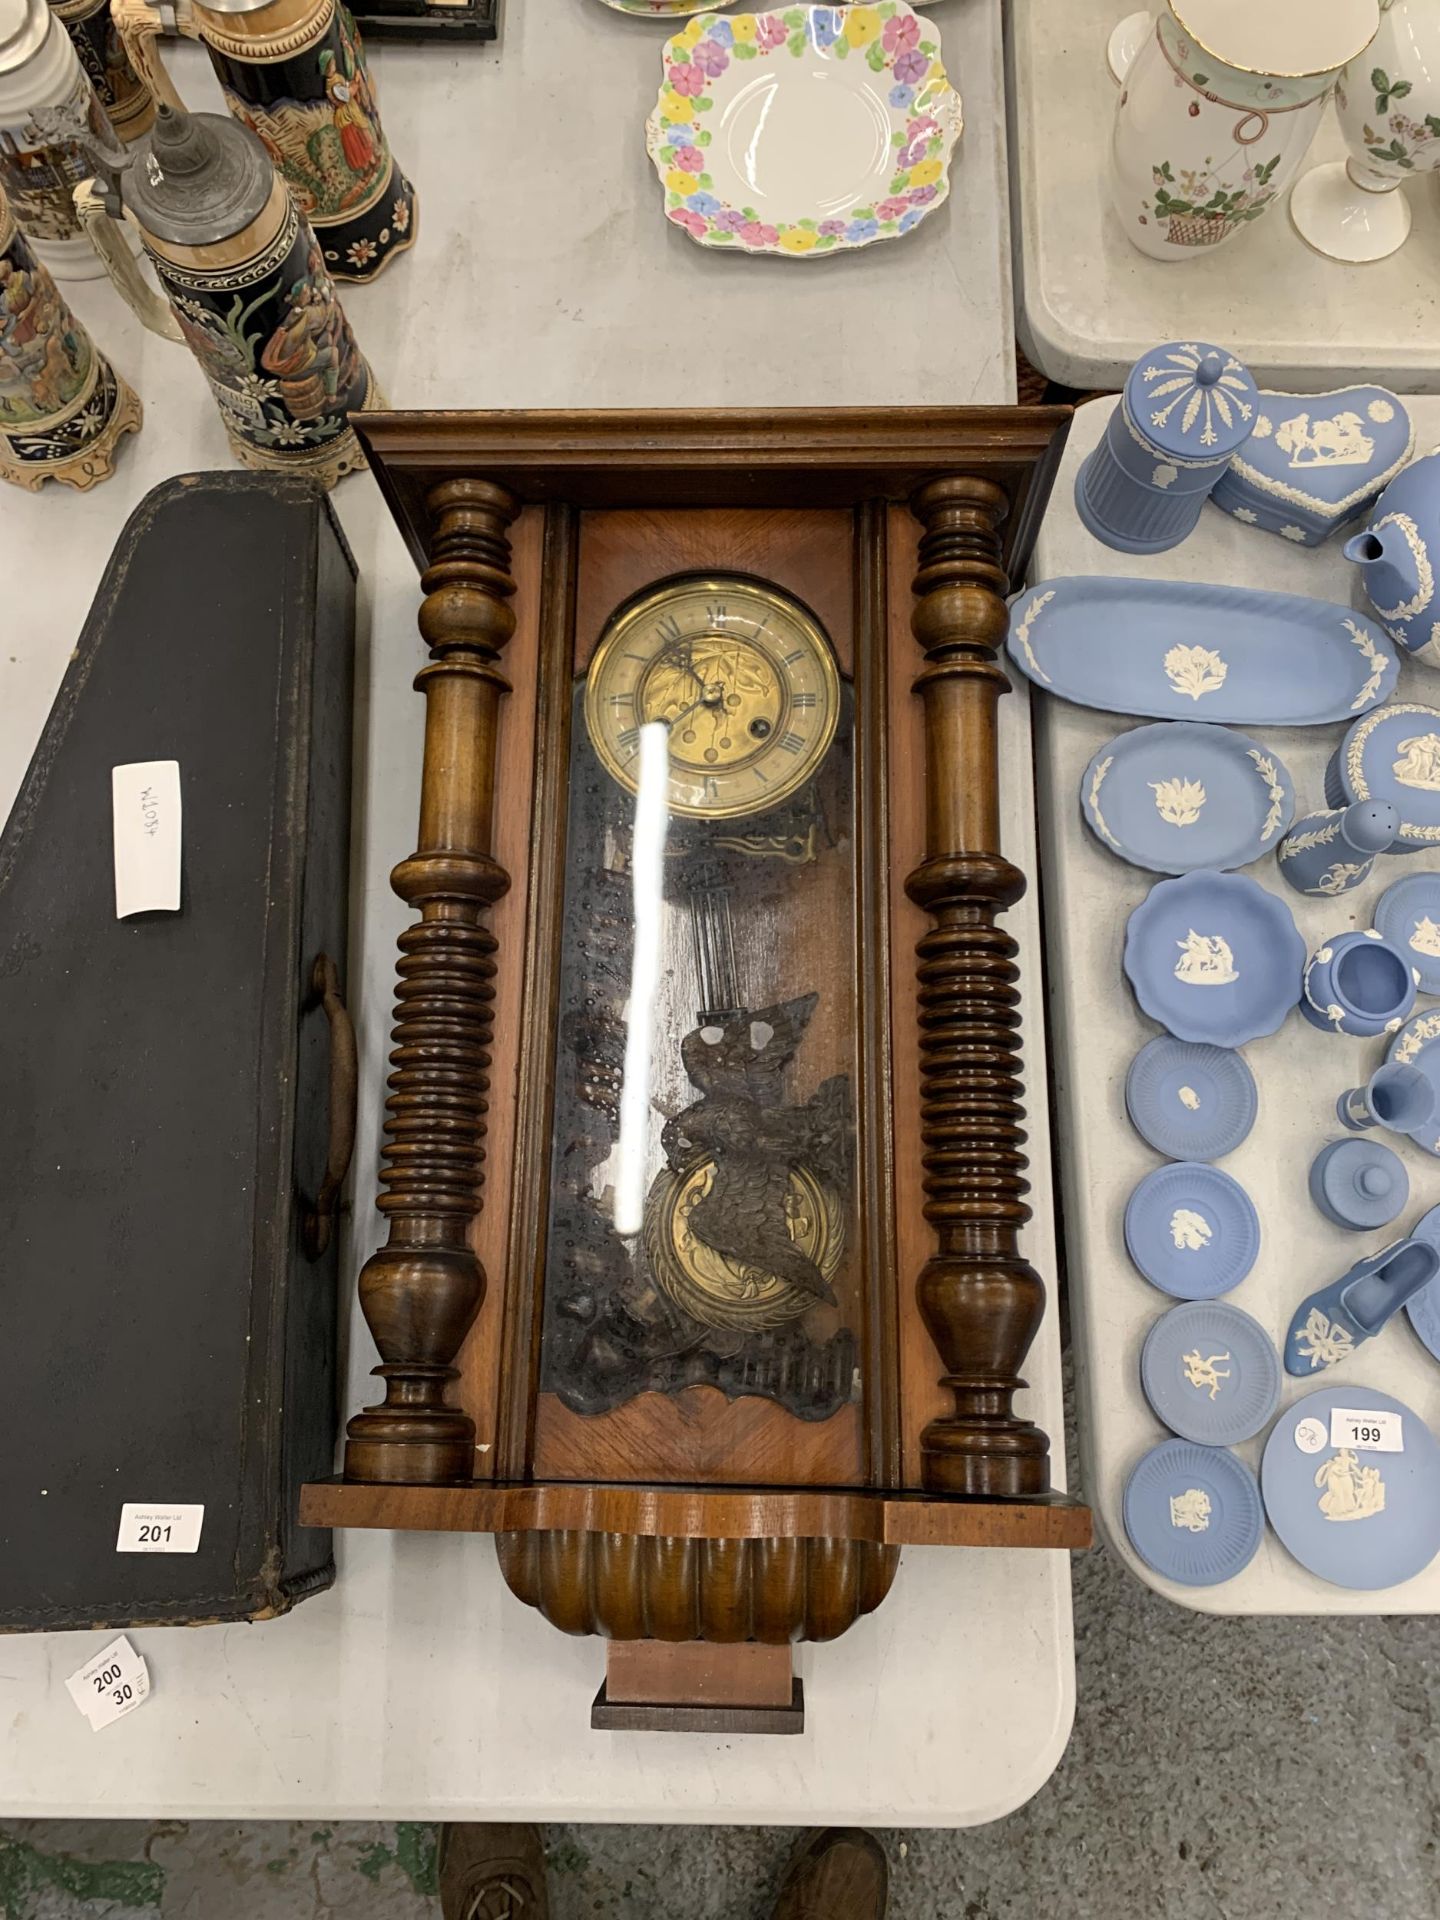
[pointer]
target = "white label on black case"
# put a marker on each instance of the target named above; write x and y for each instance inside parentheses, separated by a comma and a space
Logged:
(1366, 1432)
(111, 1684)
(148, 1528)
(145, 803)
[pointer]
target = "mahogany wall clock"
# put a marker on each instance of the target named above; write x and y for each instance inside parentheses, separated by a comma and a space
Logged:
(701, 1289)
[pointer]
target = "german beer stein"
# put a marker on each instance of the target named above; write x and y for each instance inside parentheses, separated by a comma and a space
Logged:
(63, 407)
(246, 287)
(294, 73)
(101, 52)
(50, 124)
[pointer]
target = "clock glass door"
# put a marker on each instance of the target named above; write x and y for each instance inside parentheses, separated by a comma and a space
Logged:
(701, 1243)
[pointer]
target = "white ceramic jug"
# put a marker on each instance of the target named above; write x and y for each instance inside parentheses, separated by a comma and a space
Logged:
(1217, 111)
(1389, 107)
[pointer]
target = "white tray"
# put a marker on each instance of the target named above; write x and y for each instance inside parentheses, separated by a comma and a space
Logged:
(1096, 1030)
(1090, 303)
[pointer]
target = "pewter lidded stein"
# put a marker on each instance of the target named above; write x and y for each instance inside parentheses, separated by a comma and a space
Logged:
(294, 73)
(246, 286)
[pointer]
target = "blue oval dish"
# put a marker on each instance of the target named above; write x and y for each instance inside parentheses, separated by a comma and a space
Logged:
(1193, 1513)
(1423, 1309)
(1394, 756)
(1213, 956)
(1192, 1230)
(1211, 1373)
(1417, 1044)
(1359, 1519)
(1181, 650)
(1408, 916)
(1190, 1101)
(1178, 795)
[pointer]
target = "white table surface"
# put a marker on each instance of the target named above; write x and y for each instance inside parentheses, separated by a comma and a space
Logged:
(1091, 303)
(1097, 1030)
(418, 1687)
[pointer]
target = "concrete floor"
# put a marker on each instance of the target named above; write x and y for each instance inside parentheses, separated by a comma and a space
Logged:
(1251, 1770)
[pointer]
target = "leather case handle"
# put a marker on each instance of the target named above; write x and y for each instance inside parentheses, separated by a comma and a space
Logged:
(319, 1225)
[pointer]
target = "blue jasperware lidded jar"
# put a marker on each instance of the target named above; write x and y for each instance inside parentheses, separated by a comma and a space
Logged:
(1186, 410)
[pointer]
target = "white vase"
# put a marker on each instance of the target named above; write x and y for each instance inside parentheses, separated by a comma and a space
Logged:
(1217, 111)
(1389, 108)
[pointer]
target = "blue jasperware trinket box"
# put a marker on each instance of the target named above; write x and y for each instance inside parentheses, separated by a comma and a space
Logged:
(1185, 409)
(1393, 754)
(1315, 461)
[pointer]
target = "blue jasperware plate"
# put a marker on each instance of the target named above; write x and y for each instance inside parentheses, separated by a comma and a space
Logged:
(1359, 1519)
(1178, 795)
(1214, 956)
(1193, 1513)
(1408, 916)
(1192, 1230)
(1211, 1373)
(1190, 1101)
(1394, 756)
(1182, 650)
(1417, 1044)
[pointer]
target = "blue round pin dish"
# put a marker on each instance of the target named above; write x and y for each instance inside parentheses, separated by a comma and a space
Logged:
(1214, 957)
(1393, 754)
(1423, 1309)
(1408, 916)
(1348, 1503)
(1189, 1100)
(1193, 1513)
(1192, 1230)
(1210, 1373)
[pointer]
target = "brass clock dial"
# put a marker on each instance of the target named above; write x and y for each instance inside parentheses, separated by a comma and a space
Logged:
(741, 676)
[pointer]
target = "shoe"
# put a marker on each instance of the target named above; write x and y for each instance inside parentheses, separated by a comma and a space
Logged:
(840, 1874)
(1329, 1326)
(492, 1871)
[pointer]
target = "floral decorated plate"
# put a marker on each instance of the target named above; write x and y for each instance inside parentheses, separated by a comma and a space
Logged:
(809, 130)
(1181, 794)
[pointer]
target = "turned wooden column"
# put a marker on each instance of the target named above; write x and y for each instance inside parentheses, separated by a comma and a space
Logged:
(423, 1288)
(981, 1301)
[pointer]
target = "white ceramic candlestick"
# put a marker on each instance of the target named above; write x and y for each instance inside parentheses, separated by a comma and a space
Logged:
(1389, 108)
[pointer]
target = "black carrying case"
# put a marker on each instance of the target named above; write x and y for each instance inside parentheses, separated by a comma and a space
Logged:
(165, 1091)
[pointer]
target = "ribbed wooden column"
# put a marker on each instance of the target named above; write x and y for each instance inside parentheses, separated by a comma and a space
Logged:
(981, 1301)
(423, 1288)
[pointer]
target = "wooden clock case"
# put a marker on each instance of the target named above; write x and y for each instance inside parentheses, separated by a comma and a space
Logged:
(702, 1531)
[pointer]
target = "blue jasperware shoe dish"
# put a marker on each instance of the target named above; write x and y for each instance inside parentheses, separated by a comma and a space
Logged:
(1193, 1513)
(1358, 984)
(1359, 1184)
(1408, 915)
(1357, 1517)
(1211, 1373)
(1214, 957)
(1327, 1327)
(1190, 1101)
(1192, 1230)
